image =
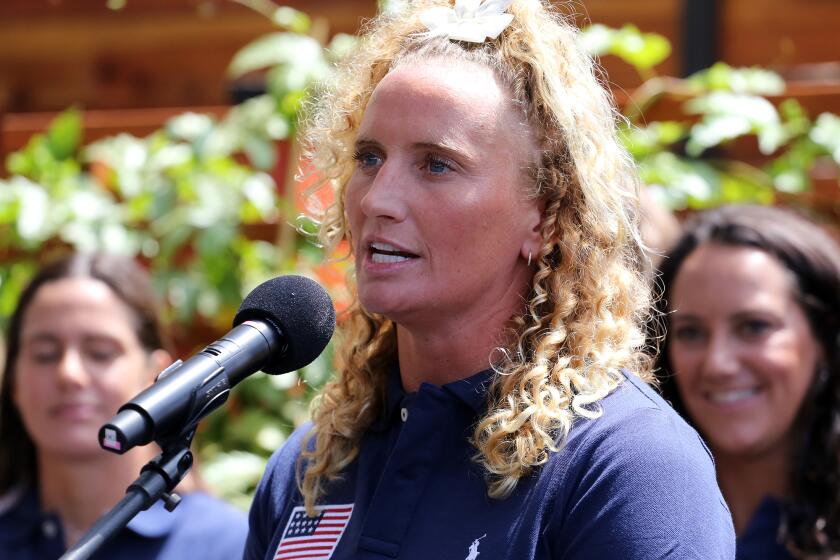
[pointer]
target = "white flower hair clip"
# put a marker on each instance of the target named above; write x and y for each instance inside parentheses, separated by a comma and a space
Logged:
(470, 20)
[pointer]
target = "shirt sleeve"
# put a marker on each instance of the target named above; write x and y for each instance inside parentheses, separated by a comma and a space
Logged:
(274, 492)
(643, 488)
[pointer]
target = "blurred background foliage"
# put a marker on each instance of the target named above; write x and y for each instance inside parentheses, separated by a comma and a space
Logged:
(212, 207)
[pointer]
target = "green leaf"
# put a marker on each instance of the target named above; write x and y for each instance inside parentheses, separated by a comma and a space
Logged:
(597, 39)
(392, 6)
(683, 182)
(261, 153)
(275, 49)
(190, 126)
(642, 50)
(741, 185)
(341, 45)
(65, 133)
(826, 133)
(33, 207)
(721, 76)
(792, 181)
(260, 190)
(644, 141)
(727, 116)
(291, 19)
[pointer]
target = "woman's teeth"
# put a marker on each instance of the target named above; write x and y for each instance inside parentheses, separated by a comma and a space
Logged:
(728, 397)
(385, 258)
(385, 253)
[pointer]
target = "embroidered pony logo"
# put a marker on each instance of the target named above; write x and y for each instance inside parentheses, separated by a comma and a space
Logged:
(473, 551)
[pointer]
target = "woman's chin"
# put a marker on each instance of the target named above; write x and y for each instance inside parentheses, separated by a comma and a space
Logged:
(381, 302)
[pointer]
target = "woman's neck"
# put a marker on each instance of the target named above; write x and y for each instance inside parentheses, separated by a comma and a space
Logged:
(746, 481)
(449, 351)
(79, 491)
(448, 346)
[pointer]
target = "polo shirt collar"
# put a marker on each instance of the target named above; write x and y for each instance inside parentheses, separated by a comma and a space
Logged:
(472, 391)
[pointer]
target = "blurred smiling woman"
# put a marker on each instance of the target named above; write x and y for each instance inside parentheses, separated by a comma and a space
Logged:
(84, 339)
(491, 397)
(752, 359)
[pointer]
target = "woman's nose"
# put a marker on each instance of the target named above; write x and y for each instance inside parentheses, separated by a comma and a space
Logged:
(384, 197)
(71, 369)
(721, 359)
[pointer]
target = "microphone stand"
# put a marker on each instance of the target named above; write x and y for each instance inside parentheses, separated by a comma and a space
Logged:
(158, 478)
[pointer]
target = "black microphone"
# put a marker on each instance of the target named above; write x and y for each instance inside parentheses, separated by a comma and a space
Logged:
(281, 326)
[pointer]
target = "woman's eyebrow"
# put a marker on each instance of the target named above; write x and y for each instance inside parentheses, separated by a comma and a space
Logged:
(39, 336)
(677, 315)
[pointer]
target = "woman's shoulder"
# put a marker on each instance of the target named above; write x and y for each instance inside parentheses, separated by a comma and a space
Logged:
(638, 430)
(19, 513)
(283, 462)
(201, 525)
(222, 513)
(640, 474)
(635, 413)
(279, 482)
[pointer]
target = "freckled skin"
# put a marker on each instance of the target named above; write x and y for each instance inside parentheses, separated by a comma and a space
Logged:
(440, 174)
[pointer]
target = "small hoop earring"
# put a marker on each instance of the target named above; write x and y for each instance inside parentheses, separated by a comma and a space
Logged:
(529, 258)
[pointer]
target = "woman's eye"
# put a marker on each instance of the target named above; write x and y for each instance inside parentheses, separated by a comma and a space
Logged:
(438, 166)
(43, 352)
(367, 160)
(687, 333)
(46, 357)
(754, 327)
(102, 355)
(101, 351)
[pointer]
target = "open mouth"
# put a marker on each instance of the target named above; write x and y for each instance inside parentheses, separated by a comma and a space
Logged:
(384, 253)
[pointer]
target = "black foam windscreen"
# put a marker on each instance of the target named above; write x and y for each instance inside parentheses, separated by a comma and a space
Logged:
(302, 311)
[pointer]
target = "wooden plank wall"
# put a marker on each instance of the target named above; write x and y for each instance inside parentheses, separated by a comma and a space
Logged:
(163, 53)
(152, 53)
(170, 53)
(780, 33)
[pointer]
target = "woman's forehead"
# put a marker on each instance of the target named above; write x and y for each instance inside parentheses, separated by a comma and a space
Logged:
(57, 302)
(465, 94)
(457, 81)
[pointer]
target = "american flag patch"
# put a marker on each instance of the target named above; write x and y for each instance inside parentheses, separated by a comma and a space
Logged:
(313, 538)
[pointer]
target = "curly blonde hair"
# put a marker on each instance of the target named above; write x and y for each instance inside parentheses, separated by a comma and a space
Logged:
(584, 315)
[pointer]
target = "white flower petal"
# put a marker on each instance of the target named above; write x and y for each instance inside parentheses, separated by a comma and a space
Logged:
(470, 20)
(493, 7)
(436, 19)
(467, 31)
(467, 8)
(494, 25)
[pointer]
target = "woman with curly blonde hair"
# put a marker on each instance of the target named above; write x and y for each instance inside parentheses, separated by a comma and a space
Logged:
(492, 395)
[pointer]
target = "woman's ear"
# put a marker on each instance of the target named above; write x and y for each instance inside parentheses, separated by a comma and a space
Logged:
(159, 360)
(532, 242)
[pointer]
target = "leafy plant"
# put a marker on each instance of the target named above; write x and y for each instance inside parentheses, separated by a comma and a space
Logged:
(687, 162)
(198, 203)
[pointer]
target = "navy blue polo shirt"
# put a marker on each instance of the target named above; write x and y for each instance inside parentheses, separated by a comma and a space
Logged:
(761, 539)
(636, 483)
(200, 527)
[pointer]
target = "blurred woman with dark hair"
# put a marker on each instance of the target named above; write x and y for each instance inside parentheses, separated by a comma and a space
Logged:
(752, 355)
(84, 339)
